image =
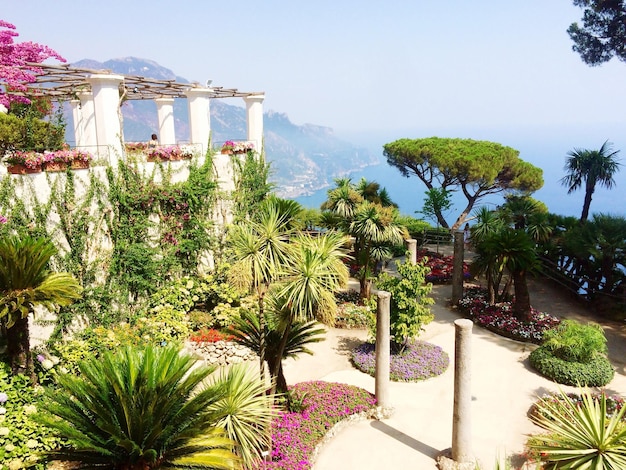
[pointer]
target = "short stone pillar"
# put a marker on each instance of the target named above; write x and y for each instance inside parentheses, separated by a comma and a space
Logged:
(411, 247)
(462, 414)
(383, 349)
(457, 269)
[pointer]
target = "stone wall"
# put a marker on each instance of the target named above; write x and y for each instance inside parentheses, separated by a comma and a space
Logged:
(222, 352)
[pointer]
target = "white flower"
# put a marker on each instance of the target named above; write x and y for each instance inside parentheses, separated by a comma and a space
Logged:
(3, 397)
(16, 464)
(3, 410)
(30, 409)
(32, 443)
(47, 364)
(9, 447)
(4, 431)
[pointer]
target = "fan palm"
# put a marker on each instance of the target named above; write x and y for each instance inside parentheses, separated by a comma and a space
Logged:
(247, 332)
(589, 168)
(26, 282)
(144, 409)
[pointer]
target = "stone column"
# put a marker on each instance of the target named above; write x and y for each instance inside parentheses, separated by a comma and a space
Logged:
(383, 351)
(198, 105)
(87, 120)
(78, 122)
(461, 418)
(106, 99)
(411, 246)
(457, 270)
(165, 114)
(254, 115)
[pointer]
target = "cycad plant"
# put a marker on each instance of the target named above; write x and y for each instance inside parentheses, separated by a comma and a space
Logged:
(144, 409)
(26, 282)
(580, 436)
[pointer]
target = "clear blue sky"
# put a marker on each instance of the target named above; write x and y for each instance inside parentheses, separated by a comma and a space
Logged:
(378, 70)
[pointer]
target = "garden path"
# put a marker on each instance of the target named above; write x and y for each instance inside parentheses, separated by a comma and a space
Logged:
(504, 387)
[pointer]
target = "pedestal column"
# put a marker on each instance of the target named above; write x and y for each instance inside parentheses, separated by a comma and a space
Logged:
(165, 114)
(198, 104)
(106, 99)
(254, 115)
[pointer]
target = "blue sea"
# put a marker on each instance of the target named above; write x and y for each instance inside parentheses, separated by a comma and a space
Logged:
(545, 149)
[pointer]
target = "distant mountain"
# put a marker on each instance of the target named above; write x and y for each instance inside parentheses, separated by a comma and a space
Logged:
(303, 158)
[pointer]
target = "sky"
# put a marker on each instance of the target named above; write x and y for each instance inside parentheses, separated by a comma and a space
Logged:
(374, 71)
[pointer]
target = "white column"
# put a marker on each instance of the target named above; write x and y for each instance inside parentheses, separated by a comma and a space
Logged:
(254, 115)
(198, 103)
(78, 122)
(106, 98)
(87, 121)
(165, 113)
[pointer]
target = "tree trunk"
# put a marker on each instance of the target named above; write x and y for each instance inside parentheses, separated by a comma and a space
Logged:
(365, 287)
(521, 307)
(587, 204)
(262, 339)
(279, 384)
(18, 349)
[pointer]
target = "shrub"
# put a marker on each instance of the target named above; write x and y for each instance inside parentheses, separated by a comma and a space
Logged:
(579, 435)
(417, 361)
(614, 403)
(21, 437)
(353, 315)
(595, 373)
(574, 342)
(409, 300)
(209, 336)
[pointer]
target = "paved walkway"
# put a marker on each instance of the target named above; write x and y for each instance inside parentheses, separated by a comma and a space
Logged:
(504, 386)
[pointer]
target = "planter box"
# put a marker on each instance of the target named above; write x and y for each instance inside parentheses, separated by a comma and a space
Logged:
(79, 165)
(19, 169)
(55, 166)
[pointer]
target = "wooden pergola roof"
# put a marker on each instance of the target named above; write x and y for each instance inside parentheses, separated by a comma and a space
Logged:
(63, 82)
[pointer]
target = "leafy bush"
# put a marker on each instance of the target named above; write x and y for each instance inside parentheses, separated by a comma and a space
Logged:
(409, 300)
(209, 336)
(352, 315)
(614, 403)
(414, 226)
(595, 373)
(574, 342)
(418, 361)
(21, 437)
(579, 435)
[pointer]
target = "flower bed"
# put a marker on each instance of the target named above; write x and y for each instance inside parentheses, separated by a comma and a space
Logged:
(55, 160)
(614, 403)
(441, 267)
(499, 317)
(295, 435)
(419, 361)
(167, 153)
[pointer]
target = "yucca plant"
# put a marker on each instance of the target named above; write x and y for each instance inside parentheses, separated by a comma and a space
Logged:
(579, 436)
(246, 412)
(141, 409)
(26, 282)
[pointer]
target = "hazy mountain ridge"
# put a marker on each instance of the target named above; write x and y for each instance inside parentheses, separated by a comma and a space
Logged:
(303, 158)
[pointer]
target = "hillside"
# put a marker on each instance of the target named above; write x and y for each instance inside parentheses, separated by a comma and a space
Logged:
(303, 158)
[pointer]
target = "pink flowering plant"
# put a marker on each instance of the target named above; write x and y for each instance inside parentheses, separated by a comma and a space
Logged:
(295, 434)
(168, 153)
(441, 267)
(228, 145)
(31, 160)
(67, 156)
(418, 360)
(243, 147)
(16, 64)
(500, 319)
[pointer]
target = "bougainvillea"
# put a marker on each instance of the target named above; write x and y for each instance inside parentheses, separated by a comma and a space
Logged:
(15, 71)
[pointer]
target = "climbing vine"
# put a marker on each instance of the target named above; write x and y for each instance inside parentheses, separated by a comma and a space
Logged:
(251, 185)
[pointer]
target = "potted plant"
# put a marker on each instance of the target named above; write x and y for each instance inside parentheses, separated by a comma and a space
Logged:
(21, 163)
(243, 147)
(228, 147)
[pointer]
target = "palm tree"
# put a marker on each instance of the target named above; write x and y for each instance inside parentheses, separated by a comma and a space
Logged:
(260, 248)
(307, 291)
(247, 332)
(589, 168)
(375, 230)
(142, 409)
(26, 282)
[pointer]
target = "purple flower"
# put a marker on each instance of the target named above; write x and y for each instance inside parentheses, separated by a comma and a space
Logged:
(3, 397)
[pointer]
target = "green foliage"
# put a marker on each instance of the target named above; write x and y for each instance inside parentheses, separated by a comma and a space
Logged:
(573, 341)
(22, 438)
(29, 132)
(353, 315)
(140, 409)
(409, 300)
(414, 226)
(475, 168)
(595, 373)
(251, 184)
(437, 202)
(579, 435)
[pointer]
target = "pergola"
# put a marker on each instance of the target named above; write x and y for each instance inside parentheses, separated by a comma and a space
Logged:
(96, 96)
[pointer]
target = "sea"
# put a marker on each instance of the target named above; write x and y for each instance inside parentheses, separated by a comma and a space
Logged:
(545, 149)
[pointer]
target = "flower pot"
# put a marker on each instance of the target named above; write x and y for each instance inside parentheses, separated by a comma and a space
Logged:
(227, 151)
(20, 169)
(79, 165)
(152, 158)
(55, 166)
